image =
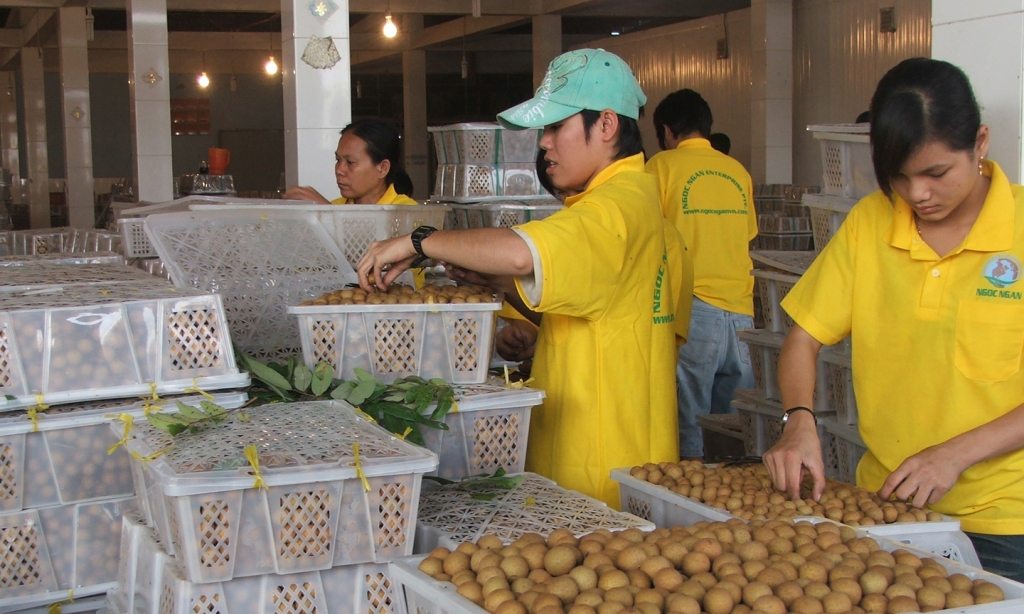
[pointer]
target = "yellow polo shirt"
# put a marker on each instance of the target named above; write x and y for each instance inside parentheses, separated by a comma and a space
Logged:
(707, 196)
(606, 352)
(937, 342)
(390, 197)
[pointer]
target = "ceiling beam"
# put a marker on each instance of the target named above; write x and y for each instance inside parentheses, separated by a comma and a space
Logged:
(422, 7)
(439, 34)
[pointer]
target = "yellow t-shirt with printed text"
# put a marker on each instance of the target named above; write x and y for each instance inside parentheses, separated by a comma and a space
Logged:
(708, 196)
(937, 341)
(606, 350)
(390, 197)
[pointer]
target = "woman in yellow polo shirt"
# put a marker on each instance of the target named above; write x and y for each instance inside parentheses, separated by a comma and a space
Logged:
(924, 276)
(367, 167)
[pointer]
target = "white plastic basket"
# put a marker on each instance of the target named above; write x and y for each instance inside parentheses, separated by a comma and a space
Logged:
(487, 433)
(839, 379)
(103, 341)
(41, 241)
(484, 143)
(827, 215)
(152, 582)
(259, 261)
(772, 288)
(6, 243)
(845, 160)
(831, 391)
(355, 227)
(59, 273)
(779, 224)
(476, 183)
(847, 449)
(316, 512)
(62, 456)
(784, 261)
(449, 341)
(450, 516)
(100, 257)
(49, 551)
(761, 423)
(81, 605)
(501, 214)
(782, 242)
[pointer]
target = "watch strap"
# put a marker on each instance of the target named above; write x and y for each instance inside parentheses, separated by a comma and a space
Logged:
(417, 237)
(788, 412)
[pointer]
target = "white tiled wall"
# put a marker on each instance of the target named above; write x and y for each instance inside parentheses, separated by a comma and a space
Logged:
(9, 155)
(77, 110)
(150, 102)
(35, 136)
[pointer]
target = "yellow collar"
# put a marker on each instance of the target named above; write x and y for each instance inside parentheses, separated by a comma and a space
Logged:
(694, 143)
(387, 199)
(991, 232)
(630, 164)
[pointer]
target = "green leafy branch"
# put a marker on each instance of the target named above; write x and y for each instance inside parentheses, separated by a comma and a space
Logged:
(483, 487)
(400, 407)
(192, 419)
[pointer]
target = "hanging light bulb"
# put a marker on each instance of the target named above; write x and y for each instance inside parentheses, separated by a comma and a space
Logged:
(270, 66)
(203, 80)
(390, 29)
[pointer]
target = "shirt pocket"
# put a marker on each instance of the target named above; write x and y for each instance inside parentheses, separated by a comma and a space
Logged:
(989, 340)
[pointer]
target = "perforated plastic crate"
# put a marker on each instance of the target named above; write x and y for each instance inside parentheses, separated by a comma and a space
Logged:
(827, 215)
(772, 288)
(84, 241)
(355, 227)
(104, 341)
(6, 243)
(761, 423)
(779, 224)
(49, 551)
(487, 433)
(450, 515)
(449, 341)
(847, 448)
(484, 143)
(471, 183)
(839, 378)
(501, 214)
(41, 241)
(259, 261)
(846, 164)
(62, 457)
(795, 263)
(765, 347)
(782, 242)
(316, 512)
(30, 275)
(91, 258)
(152, 582)
(81, 605)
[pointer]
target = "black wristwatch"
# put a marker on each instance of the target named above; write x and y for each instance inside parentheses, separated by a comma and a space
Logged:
(421, 232)
(785, 416)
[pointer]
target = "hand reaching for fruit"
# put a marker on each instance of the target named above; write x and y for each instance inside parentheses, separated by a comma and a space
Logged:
(517, 341)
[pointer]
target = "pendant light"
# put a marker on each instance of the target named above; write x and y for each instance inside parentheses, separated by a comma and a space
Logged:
(390, 29)
(203, 80)
(271, 66)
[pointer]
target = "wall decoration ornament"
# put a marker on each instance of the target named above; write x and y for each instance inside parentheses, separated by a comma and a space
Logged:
(321, 52)
(323, 9)
(152, 77)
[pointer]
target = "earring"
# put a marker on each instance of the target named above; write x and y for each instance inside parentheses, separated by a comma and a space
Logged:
(981, 166)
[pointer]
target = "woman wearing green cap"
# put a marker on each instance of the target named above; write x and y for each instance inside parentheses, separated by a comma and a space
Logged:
(604, 273)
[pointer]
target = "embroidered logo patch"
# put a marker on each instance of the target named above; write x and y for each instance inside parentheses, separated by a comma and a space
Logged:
(1002, 271)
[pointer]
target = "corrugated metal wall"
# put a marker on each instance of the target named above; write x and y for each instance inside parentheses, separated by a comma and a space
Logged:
(685, 55)
(838, 58)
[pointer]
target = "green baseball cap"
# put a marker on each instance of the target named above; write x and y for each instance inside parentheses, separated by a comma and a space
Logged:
(585, 79)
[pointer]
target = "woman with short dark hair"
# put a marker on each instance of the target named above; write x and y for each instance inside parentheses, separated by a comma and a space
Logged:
(924, 276)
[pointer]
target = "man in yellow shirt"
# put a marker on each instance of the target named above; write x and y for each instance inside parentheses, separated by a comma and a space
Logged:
(707, 196)
(597, 271)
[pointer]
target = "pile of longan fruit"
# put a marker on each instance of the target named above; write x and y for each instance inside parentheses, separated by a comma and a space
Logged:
(747, 492)
(765, 567)
(398, 294)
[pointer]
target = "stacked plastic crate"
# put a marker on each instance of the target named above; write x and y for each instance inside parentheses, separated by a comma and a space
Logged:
(489, 176)
(783, 223)
(291, 508)
(79, 342)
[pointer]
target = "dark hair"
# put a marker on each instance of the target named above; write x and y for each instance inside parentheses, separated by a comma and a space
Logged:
(630, 141)
(684, 112)
(382, 143)
(721, 142)
(403, 182)
(863, 118)
(542, 172)
(918, 101)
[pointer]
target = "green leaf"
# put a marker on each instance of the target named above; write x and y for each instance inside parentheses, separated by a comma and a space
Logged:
(268, 375)
(445, 399)
(291, 364)
(175, 429)
(322, 375)
(439, 382)
(441, 481)
(423, 398)
(479, 496)
(214, 411)
(192, 413)
(279, 368)
(362, 391)
(10, 397)
(342, 392)
(242, 416)
(302, 377)
(363, 376)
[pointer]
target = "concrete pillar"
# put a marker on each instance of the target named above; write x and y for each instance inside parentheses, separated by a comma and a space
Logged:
(150, 98)
(771, 96)
(547, 44)
(74, 81)
(10, 158)
(35, 135)
(970, 35)
(317, 101)
(414, 99)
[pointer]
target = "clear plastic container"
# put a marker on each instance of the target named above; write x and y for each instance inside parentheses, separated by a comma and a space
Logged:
(98, 257)
(449, 516)
(102, 341)
(62, 457)
(61, 273)
(449, 341)
(484, 143)
(846, 165)
(316, 512)
(501, 214)
(41, 241)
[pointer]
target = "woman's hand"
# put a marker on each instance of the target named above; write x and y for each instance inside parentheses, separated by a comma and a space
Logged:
(498, 283)
(517, 341)
(925, 477)
(301, 192)
(386, 260)
(797, 449)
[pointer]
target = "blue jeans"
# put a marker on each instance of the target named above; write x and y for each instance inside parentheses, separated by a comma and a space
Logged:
(1001, 554)
(711, 365)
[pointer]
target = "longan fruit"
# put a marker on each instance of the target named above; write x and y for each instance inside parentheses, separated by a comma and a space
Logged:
(677, 603)
(467, 548)
(718, 601)
(807, 605)
(511, 607)
(875, 602)
(484, 558)
(836, 603)
(881, 557)
(958, 599)
(910, 579)
(539, 576)
(455, 562)
(564, 587)
(674, 553)
(814, 572)
(649, 596)
(463, 576)
(560, 537)
(620, 594)
(515, 567)
(901, 604)
(770, 604)
(988, 589)
(431, 566)
(612, 579)
(788, 570)
(735, 591)
(488, 573)
(472, 591)
(560, 560)
(873, 583)
(771, 576)
(930, 599)
(705, 579)
(630, 558)
(752, 568)
(849, 587)
(496, 598)
(592, 597)
(695, 562)
(494, 584)
(817, 590)
(692, 588)
(544, 600)
(668, 579)
(900, 590)
(638, 579)
(788, 592)
(585, 577)
(757, 551)
(959, 582)
(710, 547)
(522, 585)
(885, 572)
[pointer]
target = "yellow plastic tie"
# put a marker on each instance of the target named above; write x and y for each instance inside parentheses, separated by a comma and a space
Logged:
(530, 501)
(455, 407)
(56, 607)
(146, 459)
(254, 460)
(33, 412)
(359, 469)
(127, 419)
(430, 301)
(516, 385)
(148, 403)
(408, 430)
(195, 388)
(365, 416)
(104, 292)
